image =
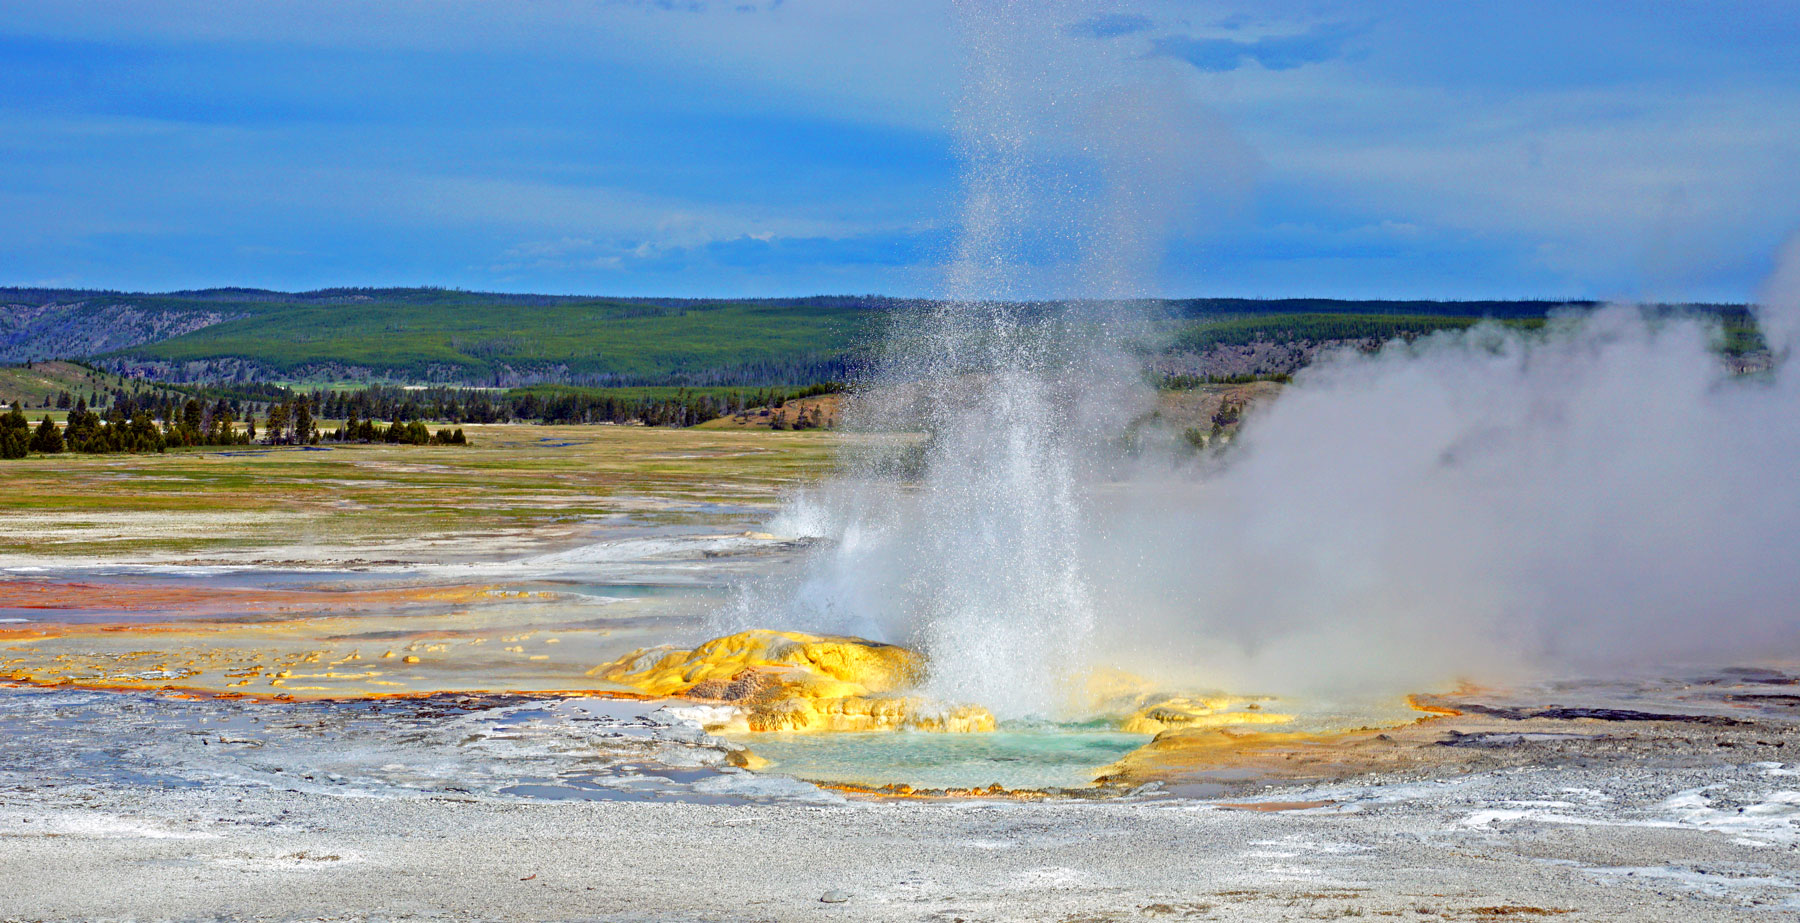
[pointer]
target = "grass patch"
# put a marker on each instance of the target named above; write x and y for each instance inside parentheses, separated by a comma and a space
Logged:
(358, 497)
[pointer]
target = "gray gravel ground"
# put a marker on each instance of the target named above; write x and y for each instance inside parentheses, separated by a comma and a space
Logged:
(143, 807)
(1603, 844)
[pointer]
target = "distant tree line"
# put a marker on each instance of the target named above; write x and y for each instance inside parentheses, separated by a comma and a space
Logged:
(156, 420)
(396, 433)
(293, 422)
(1190, 382)
(679, 407)
(126, 426)
(131, 427)
(1316, 328)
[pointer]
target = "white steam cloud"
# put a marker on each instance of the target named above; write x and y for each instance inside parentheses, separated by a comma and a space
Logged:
(1605, 495)
(1598, 495)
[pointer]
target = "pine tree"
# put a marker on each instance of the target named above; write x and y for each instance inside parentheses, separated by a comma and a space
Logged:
(303, 421)
(276, 430)
(83, 428)
(48, 439)
(143, 435)
(218, 424)
(15, 433)
(191, 422)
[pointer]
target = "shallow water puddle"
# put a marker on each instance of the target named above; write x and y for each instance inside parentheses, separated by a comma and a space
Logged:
(1028, 757)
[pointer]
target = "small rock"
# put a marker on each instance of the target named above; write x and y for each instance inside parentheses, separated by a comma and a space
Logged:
(833, 897)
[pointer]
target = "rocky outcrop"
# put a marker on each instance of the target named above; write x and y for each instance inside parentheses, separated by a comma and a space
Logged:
(70, 330)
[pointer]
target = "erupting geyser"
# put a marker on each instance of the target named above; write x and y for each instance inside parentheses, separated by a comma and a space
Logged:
(974, 553)
(1602, 493)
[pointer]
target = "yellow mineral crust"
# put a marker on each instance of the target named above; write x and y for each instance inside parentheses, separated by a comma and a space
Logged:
(871, 666)
(1150, 709)
(789, 681)
(1199, 712)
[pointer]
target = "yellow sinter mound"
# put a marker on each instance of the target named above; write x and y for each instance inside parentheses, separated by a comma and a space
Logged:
(789, 681)
(1207, 712)
(1149, 708)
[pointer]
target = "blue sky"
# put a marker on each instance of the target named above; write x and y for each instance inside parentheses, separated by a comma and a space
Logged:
(690, 147)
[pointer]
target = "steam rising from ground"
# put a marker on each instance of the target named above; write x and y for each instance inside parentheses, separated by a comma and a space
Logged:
(1477, 504)
(1601, 494)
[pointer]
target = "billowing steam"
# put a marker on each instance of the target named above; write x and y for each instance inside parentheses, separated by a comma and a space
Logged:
(1606, 494)
(1599, 494)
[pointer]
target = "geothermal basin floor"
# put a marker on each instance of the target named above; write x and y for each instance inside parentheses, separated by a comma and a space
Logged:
(518, 808)
(137, 803)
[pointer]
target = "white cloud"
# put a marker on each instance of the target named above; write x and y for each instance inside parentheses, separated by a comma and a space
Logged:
(1628, 165)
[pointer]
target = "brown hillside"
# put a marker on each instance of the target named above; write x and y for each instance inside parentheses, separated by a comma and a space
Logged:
(822, 411)
(31, 385)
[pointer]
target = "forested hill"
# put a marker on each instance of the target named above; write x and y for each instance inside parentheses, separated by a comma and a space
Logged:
(428, 335)
(435, 335)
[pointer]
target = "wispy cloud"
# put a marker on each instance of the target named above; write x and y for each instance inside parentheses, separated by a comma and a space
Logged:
(1419, 148)
(1274, 52)
(1110, 25)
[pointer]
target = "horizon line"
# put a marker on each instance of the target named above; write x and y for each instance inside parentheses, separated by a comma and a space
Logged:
(249, 290)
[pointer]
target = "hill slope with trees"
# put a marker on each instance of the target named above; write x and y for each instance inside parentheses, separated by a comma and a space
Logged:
(438, 336)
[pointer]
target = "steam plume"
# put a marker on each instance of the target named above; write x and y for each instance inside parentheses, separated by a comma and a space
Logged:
(1607, 495)
(1601, 495)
